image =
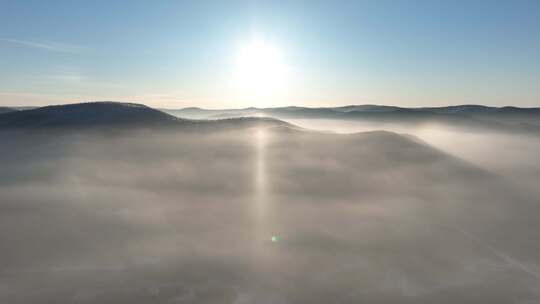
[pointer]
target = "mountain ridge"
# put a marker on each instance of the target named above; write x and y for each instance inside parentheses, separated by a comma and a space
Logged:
(7, 109)
(485, 118)
(114, 114)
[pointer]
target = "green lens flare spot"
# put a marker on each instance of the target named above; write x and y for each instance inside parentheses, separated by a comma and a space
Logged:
(274, 238)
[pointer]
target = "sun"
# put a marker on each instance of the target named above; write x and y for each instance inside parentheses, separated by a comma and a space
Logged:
(260, 71)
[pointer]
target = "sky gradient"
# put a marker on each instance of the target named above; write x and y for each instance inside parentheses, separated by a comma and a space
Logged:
(175, 54)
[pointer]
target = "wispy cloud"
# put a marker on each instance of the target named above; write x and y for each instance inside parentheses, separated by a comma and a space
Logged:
(44, 45)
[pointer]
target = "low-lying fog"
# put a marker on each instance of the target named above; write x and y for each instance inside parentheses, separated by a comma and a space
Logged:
(269, 215)
(514, 155)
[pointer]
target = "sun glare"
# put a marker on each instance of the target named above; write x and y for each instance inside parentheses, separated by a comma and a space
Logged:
(260, 71)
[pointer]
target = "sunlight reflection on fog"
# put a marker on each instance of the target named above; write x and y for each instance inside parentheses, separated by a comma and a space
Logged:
(262, 201)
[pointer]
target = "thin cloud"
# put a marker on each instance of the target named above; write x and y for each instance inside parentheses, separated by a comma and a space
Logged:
(49, 46)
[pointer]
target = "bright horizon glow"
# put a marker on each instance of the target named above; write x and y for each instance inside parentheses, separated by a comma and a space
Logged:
(260, 74)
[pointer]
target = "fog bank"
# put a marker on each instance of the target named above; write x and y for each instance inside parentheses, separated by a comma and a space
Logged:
(187, 217)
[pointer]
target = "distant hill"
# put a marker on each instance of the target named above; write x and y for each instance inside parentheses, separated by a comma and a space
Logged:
(87, 115)
(200, 113)
(6, 109)
(20, 108)
(130, 115)
(354, 110)
(508, 119)
(113, 114)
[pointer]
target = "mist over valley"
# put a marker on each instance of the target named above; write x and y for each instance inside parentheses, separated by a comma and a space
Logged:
(122, 203)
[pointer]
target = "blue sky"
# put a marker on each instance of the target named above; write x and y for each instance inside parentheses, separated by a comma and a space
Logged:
(185, 53)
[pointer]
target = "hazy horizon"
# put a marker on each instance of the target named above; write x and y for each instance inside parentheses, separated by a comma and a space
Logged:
(263, 107)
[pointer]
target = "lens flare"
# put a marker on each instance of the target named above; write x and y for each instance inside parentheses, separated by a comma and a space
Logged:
(260, 73)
